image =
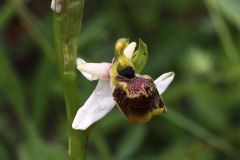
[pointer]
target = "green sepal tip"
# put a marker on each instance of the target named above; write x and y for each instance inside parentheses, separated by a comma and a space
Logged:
(139, 58)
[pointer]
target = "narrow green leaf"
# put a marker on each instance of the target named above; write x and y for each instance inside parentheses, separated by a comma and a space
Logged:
(231, 10)
(183, 149)
(101, 145)
(4, 153)
(140, 56)
(41, 90)
(223, 31)
(90, 34)
(12, 87)
(34, 27)
(131, 142)
(6, 14)
(201, 133)
(37, 149)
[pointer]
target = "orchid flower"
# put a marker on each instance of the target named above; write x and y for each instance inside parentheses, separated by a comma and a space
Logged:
(120, 83)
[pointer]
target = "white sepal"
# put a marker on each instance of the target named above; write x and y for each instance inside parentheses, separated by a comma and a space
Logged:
(164, 81)
(129, 50)
(90, 77)
(94, 71)
(96, 107)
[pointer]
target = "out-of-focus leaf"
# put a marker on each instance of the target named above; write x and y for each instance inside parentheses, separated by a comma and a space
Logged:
(91, 156)
(131, 142)
(12, 87)
(35, 148)
(7, 12)
(4, 153)
(198, 61)
(139, 58)
(101, 145)
(223, 31)
(231, 10)
(211, 109)
(90, 34)
(195, 151)
(7, 133)
(200, 132)
(113, 122)
(41, 90)
(34, 28)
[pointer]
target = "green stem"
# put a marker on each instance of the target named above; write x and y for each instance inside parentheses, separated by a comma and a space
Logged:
(67, 26)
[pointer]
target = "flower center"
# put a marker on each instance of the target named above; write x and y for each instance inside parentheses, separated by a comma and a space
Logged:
(127, 72)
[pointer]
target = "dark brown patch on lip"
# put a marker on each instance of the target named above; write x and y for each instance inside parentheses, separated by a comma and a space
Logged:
(139, 97)
(127, 72)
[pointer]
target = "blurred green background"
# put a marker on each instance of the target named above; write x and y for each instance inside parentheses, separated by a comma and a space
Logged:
(198, 40)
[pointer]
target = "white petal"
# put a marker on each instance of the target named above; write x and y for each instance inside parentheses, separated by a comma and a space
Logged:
(94, 71)
(129, 50)
(56, 5)
(163, 81)
(85, 74)
(96, 107)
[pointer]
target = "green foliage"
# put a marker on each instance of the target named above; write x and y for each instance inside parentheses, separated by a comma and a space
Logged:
(230, 9)
(35, 148)
(140, 56)
(11, 85)
(198, 40)
(130, 142)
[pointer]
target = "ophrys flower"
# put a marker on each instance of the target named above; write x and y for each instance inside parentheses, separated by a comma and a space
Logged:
(137, 96)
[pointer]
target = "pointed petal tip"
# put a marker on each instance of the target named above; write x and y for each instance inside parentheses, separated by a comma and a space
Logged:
(78, 126)
(80, 61)
(93, 71)
(129, 50)
(164, 81)
(75, 125)
(97, 70)
(83, 118)
(168, 75)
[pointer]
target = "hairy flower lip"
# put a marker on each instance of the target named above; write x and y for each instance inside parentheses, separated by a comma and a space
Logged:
(136, 85)
(137, 98)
